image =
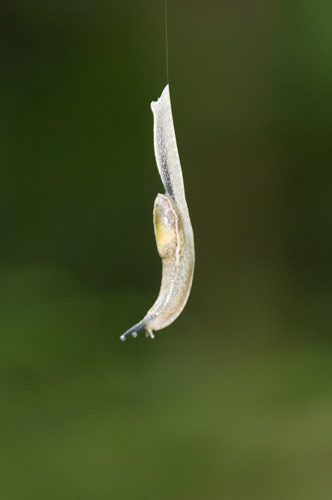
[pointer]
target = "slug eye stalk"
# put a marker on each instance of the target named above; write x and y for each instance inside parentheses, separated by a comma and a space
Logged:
(134, 330)
(172, 227)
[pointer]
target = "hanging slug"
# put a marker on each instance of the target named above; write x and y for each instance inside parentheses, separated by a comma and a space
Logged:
(172, 227)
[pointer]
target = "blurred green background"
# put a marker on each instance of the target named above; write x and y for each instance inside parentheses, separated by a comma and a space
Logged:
(234, 400)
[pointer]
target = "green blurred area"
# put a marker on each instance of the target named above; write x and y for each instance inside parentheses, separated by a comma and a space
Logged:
(234, 400)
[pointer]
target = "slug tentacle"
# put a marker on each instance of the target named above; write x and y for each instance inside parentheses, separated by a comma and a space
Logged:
(133, 331)
(172, 227)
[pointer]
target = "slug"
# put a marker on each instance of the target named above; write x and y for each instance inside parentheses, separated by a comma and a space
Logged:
(172, 227)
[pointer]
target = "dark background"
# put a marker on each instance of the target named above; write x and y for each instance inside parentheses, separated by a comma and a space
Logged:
(234, 400)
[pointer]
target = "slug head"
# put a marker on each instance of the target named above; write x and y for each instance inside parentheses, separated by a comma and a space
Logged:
(167, 226)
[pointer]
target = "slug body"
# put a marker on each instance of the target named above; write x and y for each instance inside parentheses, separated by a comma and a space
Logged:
(172, 226)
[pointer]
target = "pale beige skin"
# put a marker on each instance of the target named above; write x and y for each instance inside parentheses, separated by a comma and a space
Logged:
(172, 226)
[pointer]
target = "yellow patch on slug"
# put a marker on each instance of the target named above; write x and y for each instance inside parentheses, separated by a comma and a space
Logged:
(164, 233)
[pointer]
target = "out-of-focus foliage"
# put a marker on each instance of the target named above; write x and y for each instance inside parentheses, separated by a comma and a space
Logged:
(234, 400)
